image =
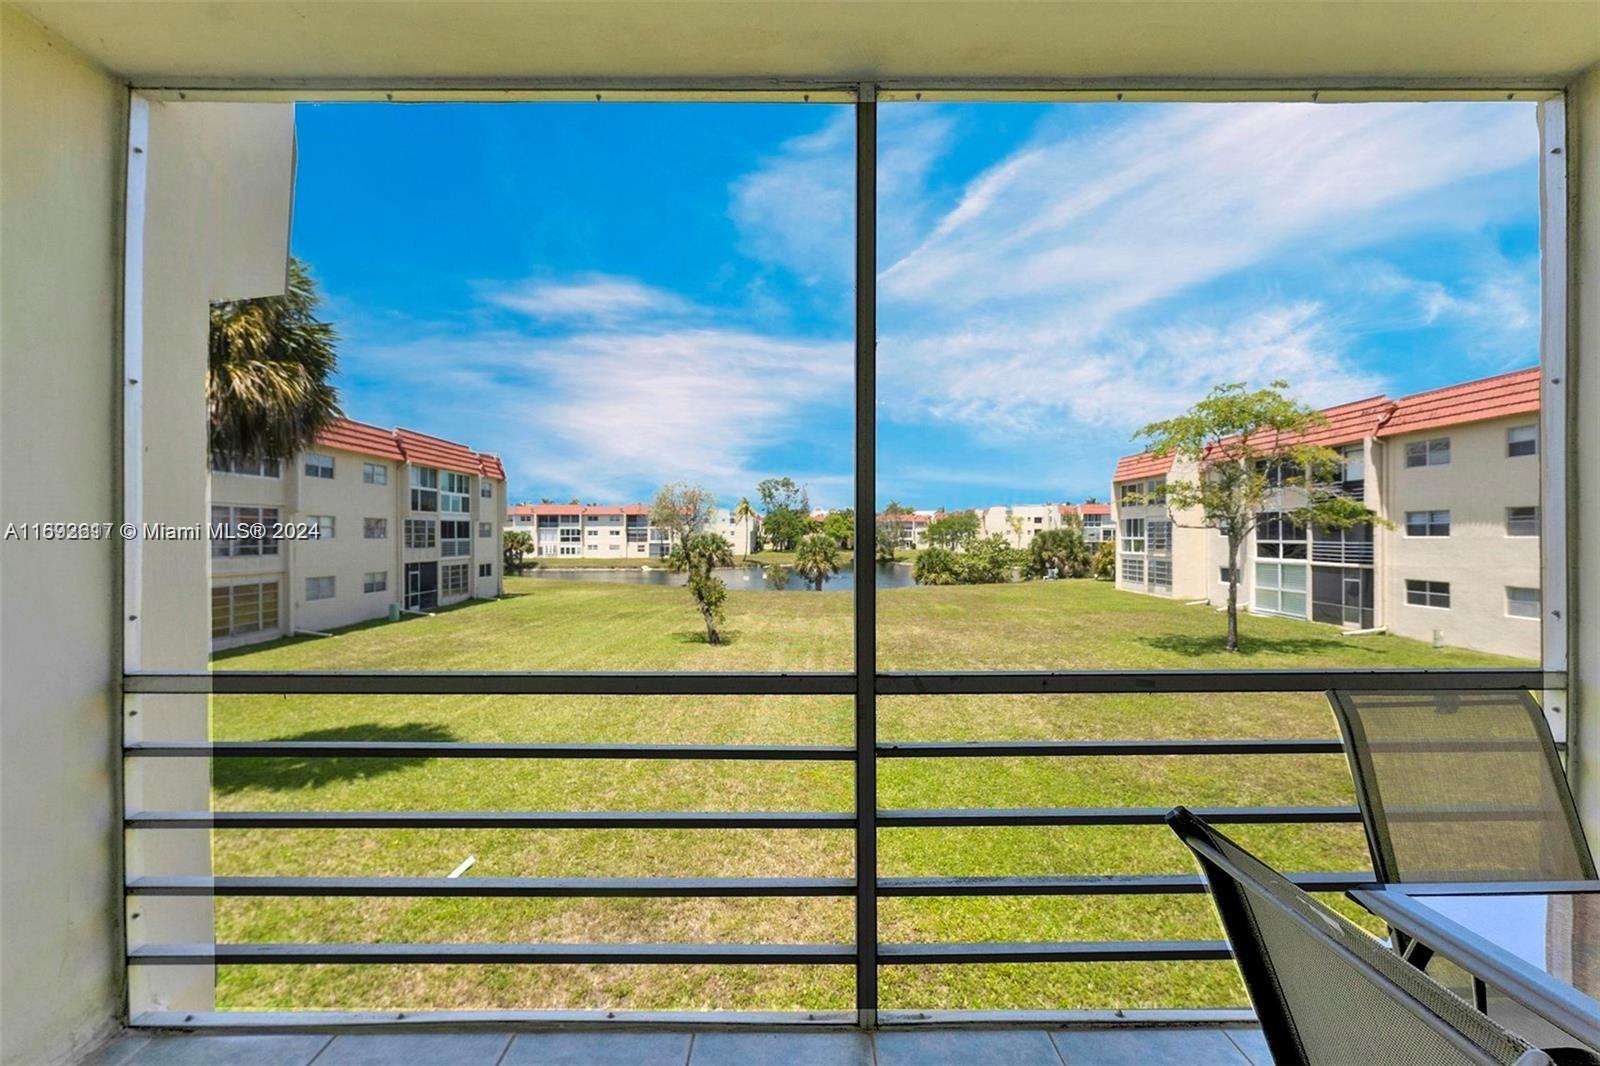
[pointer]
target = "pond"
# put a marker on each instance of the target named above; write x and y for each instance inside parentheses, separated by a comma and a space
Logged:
(751, 578)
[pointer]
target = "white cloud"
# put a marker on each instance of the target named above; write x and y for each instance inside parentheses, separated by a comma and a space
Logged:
(606, 414)
(1049, 292)
(593, 297)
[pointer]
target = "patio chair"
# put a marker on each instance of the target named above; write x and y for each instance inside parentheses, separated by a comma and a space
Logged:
(1327, 992)
(1461, 786)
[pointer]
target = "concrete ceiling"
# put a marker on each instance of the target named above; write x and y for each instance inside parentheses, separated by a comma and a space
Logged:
(255, 42)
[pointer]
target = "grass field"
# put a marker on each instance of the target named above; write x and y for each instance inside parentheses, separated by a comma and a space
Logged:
(573, 625)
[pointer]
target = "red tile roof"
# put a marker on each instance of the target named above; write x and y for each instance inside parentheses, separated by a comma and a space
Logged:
(1094, 508)
(425, 450)
(362, 439)
(404, 445)
(1502, 396)
(589, 509)
(1143, 465)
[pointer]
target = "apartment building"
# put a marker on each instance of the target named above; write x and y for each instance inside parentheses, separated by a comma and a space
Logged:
(1019, 524)
(910, 528)
(396, 517)
(616, 531)
(1455, 471)
(1093, 518)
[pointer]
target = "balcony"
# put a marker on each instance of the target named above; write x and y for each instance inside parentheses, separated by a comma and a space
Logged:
(1354, 552)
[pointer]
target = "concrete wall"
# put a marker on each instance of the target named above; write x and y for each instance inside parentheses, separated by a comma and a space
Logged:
(60, 171)
(1478, 559)
(1583, 151)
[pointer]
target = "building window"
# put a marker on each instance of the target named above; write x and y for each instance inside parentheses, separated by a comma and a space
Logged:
(1281, 588)
(1434, 452)
(243, 532)
(1428, 593)
(486, 490)
(319, 588)
(424, 488)
(485, 529)
(549, 521)
(1427, 523)
(1133, 571)
(1278, 536)
(1225, 575)
(1522, 440)
(420, 533)
(454, 491)
(1522, 603)
(249, 608)
(233, 464)
(1133, 539)
(1161, 574)
(453, 579)
(375, 528)
(323, 524)
(318, 465)
(570, 535)
(374, 473)
(375, 581)
(638, 528)
(1522, 521)
(455, 537)
(486, 570)
(1160, 536)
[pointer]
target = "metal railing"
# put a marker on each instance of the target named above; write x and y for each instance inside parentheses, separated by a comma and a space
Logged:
(1358, 552)
(867, 953)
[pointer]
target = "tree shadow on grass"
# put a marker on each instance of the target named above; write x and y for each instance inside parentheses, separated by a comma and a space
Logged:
(698, 636)
(230, 775)
(1189, 645)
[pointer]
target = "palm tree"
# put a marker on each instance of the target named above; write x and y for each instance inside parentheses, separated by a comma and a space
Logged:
(268, 388)
(816, 558)
(700, 554)
(744, 513)
(517, 544)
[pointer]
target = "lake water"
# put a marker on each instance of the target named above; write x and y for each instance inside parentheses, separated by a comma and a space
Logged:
(738, 578)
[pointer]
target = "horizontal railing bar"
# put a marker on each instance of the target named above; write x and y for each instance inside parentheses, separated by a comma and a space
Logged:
(1178, 681)
(992, 748)
(485, 682)
(1097, 885)
(972, 816)
(899, 683)
(406, 749)
(499, 887)
(452, 954)
(489, 820)
(1062, 951)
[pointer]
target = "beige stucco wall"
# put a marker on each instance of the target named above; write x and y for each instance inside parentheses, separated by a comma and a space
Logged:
(61, 119)
(216, 214)
(1477, 558)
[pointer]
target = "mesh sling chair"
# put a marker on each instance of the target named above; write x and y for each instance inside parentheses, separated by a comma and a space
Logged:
(1328, 993)
(1461, 786)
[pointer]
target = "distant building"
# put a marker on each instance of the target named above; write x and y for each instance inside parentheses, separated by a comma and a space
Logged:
(400, 518)
(1019, 524)
(1455, 470)
(615, 531)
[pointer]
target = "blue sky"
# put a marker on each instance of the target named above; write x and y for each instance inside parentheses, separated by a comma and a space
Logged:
(617, 295)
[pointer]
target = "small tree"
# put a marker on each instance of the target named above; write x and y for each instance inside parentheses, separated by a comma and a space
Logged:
(700, 554)
(816, 558)
(745, 515)
(1248, 453)
(887, 548)
(1062, 550)
(937, 566)
(682, 510)
(517, 543)
(953, 531)
(1014, 523)
(1103, 567)
(841, 526)
(988, 561)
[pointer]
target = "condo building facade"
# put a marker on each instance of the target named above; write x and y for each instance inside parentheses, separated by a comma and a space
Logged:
(616, 531)
(1454, 471)
(392, 517)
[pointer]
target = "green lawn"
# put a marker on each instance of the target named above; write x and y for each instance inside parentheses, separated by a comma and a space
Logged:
(571, 625)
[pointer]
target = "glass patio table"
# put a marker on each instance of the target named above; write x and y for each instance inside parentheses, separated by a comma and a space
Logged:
(1537, 944)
